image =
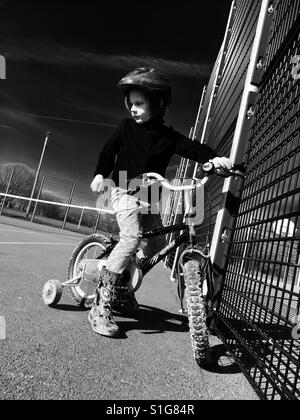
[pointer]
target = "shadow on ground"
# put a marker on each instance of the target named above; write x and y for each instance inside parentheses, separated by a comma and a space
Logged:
(153, 321)
(68, 308)
(221, 361)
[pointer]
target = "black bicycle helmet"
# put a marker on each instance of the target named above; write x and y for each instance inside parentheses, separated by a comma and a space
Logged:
(149, 79)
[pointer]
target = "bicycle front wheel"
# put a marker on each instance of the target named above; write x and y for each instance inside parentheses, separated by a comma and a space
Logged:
(197, 313)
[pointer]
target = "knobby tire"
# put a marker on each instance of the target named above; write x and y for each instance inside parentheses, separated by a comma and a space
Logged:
(197, 312)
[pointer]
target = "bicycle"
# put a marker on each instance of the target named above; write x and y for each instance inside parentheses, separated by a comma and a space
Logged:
(194, 270)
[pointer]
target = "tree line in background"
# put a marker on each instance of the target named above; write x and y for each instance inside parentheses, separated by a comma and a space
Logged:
(21, 184)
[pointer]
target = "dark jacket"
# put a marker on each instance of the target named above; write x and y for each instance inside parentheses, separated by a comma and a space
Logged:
(141, 148)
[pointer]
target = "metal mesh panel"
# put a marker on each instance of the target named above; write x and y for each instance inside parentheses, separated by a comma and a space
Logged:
(286, 14)
(209, 92)
(260, 302)
(259, 315)
(223, 99)
(212, 197)
(228, 101)
(220, 130)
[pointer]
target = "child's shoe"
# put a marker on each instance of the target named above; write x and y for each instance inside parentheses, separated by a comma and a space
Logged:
(124, 299)
(100, 315)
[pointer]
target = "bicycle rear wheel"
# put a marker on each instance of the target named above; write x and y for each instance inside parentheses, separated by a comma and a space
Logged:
(197, 311)
(93, 247)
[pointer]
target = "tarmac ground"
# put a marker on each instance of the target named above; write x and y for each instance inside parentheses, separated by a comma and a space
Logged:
(48, 353)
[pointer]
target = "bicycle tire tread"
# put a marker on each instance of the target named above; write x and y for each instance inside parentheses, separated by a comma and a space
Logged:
(196, 308)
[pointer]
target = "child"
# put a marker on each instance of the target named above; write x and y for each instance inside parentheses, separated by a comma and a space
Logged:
(139, 145)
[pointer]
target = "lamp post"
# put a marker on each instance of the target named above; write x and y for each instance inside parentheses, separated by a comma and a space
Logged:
(48, 134)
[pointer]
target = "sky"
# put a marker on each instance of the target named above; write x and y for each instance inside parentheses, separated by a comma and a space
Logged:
(64, 59)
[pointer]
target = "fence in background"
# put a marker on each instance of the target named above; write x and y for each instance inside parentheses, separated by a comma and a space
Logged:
(59, 203)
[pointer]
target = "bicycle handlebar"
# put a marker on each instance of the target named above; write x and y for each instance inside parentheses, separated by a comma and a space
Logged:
(208, 168)
(166, 183)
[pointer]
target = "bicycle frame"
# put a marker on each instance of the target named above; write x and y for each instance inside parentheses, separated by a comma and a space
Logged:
(149, 263)
(188, 237)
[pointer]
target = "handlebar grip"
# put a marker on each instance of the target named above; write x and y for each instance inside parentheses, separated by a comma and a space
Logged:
(237, 169)
(209, 168)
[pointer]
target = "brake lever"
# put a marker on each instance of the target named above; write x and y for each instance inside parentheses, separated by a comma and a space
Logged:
(146, 183)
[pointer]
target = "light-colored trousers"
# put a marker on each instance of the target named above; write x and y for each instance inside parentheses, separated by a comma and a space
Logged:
(132, 222)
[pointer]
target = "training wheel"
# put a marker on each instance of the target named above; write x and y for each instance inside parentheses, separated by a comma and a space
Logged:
(52, 292)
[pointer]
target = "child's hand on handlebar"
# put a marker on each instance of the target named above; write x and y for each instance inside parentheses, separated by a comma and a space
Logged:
(97, 184)
(222, 166)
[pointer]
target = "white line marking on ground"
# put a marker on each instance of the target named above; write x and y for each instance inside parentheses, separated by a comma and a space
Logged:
(34, 232)
(35, 243)
(19, 231)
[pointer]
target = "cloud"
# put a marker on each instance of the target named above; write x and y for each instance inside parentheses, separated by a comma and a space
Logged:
(52, 53)
(50, 117)
(17, 117)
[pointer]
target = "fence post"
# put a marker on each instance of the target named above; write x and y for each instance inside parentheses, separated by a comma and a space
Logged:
(38, 197)
(69, 202)
(80, 220)
(7, 189)
(298, 272)
(97, 222)
(38, 172)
